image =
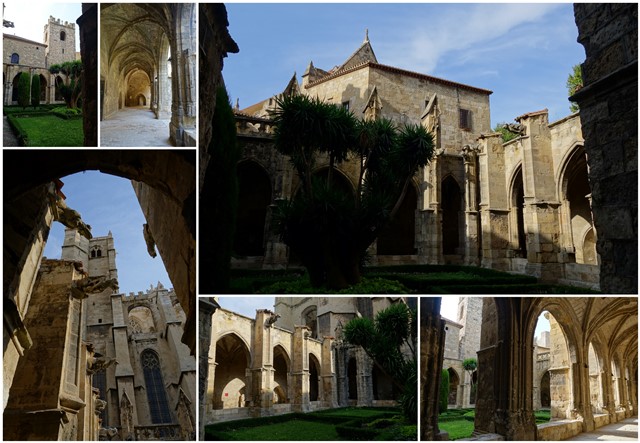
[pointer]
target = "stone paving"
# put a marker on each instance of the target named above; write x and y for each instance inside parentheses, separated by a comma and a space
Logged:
(8, 137)
(625, 430)
(134, 127)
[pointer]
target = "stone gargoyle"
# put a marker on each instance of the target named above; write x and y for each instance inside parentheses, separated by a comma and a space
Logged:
(81, 289)
(101, 363)
(70, 217)
(272, 319)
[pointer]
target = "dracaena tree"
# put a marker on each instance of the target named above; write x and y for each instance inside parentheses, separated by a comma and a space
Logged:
(71, 87)
(327, 227)
(390, 340)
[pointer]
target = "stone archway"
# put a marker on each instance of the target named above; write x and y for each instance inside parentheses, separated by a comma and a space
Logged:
(314, 378)
(454, 382)
(43, 89)
(165, 187)
(352, 376)
(398, 238)
(450, 204)
(254, 198)
(518, 232)
(14, 88)
(281, 366)
(545, 390)
(232, 362)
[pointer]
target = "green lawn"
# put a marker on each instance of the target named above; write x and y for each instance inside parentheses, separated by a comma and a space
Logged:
(296, 430)
(459, 423)
(48, 130)
(336, 424)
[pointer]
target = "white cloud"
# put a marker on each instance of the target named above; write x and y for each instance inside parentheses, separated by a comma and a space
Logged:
(458, 29)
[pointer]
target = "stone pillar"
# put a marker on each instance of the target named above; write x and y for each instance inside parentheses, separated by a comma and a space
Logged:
(472, 222)
(609, 115)
(328, 376)
(341, 367)
(300, 369)
(262, 371)
(88, 26)
(207, 307)
(365, 382)
(432, 337)
(540, 203)
(53, 363)
(494, 203)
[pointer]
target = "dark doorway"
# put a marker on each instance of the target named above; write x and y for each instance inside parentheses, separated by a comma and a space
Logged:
(450, 205)
(254, 197)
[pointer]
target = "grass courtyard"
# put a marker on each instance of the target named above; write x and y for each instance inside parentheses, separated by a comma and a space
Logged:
(459, 423)
(401, 279)
(330, 425)
(43, 128)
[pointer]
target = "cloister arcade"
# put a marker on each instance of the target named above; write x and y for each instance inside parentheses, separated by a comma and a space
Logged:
(148, 68)
(590, 381)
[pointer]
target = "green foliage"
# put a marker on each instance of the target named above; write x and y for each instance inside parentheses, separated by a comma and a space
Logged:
(328, 227)
(386, 340)
(443, 402)
(457, 429)
(542, 416)
(365, 286)
(219, 198)
(506, 134)
(38, 130)
(574, 84)
(71, 88)
(470, 364)
(67, 113)
(35, 91)
(24, 89)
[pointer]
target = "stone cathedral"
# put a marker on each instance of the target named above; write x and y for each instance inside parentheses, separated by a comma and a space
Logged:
(522, 206)
(124, 373)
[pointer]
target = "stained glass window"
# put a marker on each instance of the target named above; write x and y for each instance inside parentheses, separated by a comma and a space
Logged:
(156, 394)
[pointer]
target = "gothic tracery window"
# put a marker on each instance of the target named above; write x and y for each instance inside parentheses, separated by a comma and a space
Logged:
(156, 394)
(136, 328)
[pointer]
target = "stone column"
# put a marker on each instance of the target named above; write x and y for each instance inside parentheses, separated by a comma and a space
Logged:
(494, 206)
(609, 99)
(207, 307)
(365, 382)
(431, 357)
(300, 369)
(472, 234)
(328, 376)
(262, 372)
(540, 202)
(88, 26)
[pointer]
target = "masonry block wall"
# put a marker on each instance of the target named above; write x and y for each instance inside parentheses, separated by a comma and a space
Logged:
(609, 111)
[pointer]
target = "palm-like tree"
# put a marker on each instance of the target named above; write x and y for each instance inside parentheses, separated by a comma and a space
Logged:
(329, 228)
(71, 88)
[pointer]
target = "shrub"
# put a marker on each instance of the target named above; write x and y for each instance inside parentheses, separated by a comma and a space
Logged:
(67, 113)
(35, 91)
(23, 89)
(355, 430)
(366, 286)
(444, 391)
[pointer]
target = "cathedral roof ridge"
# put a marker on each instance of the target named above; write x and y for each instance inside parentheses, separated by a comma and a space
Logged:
(401, 71)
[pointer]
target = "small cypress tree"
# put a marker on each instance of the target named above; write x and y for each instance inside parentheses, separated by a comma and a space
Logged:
(24, 94)
(35, 91)
(444, 391)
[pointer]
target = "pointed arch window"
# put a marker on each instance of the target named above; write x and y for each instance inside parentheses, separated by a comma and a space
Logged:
(15, 58)
(156, 394)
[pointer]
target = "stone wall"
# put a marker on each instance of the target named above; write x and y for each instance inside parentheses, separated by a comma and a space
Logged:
(30, 53)
(609, 111)
(60, 38)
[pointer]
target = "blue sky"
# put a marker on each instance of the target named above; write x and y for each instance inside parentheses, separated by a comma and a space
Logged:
(246, 305)
(522, 52)
(29, 17)
(108, 203)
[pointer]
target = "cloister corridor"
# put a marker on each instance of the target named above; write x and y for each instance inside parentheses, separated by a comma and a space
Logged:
(625, 430)
(135, 126)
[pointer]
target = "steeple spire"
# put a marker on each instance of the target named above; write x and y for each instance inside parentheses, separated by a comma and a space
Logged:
(366, 35)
